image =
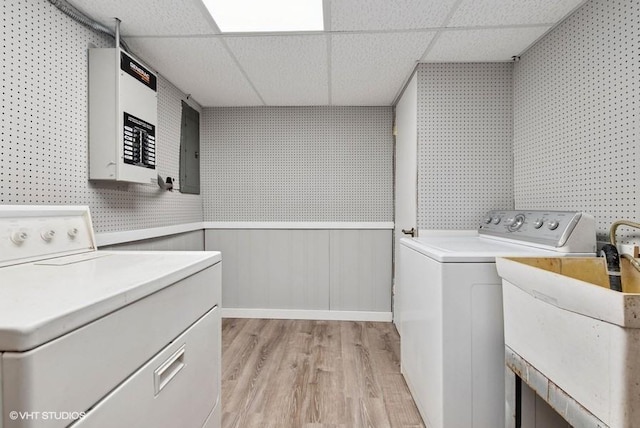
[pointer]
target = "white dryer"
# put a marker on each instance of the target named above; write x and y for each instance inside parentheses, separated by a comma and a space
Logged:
(449, 307)
(103, 338)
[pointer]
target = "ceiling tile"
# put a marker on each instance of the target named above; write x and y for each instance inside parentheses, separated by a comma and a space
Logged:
(482, 45)
(511, 12)
(198, 66)
(350, 15)
(150, 17)
(286, 70)
(369, 69)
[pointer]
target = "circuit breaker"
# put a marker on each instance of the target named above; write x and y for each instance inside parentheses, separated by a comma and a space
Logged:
(123, 115)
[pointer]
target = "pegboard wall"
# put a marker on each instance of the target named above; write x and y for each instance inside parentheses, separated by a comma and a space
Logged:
(43, 134)
(297, 164)
(576, 117)
(465, 164)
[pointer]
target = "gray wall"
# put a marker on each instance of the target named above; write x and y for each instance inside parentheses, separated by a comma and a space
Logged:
(465, 164)
(300, 164)
(576, 116)
(297, 164)
(43, 149)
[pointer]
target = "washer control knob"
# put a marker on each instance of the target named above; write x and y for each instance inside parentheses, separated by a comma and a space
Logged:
(510, 221)
(496, 220)
(553, 224)
(488, 220)
(538, 223)
(72, 232)
(48, 235)
(18, 237)
(517, 223)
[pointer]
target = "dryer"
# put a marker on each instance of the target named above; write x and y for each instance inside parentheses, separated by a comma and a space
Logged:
(103, 338)
(449, 308)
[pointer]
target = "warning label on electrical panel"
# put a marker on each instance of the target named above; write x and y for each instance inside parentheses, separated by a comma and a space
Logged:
(139, 142)
(139, 72)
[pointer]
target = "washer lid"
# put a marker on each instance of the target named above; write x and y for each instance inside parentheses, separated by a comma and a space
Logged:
(41, 301)
(471, 249)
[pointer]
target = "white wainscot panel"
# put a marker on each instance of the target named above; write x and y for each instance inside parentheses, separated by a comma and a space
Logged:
(281, 269)
(361, 270)
(342, 271)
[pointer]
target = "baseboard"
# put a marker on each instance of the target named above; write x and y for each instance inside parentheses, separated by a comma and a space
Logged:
(301, 314)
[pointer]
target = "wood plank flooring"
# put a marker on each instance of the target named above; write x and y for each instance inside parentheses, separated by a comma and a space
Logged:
(313, 374)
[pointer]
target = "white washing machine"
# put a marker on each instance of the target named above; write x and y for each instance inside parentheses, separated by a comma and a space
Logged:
(449, 306)
(103, 338)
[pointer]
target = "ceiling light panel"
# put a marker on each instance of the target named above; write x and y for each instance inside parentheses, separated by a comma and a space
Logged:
(358, 15)
(241, 16)
(482, 45)
(512, 12)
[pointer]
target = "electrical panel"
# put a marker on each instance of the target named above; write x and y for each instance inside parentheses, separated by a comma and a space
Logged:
(123, 115)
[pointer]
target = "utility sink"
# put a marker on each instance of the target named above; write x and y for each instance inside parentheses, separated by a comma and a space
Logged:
(561, 318)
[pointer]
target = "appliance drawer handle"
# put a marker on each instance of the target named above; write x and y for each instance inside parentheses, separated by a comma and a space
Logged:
(168, 370)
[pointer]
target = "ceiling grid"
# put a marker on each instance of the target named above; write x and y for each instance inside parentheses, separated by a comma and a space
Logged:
(362, 58)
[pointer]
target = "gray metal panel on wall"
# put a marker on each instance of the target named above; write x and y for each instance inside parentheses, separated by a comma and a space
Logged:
(576, 116)
(283, 269)
(297, 164)
(361, 270)
(43, 146)
(464, 143)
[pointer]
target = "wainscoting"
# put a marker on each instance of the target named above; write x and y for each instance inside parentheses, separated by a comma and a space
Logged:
(305, 273)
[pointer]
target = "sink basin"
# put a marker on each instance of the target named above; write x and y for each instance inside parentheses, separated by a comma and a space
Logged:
(561, 317)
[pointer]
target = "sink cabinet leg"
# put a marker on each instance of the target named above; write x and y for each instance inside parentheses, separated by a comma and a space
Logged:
(513, 399)
(518, 388)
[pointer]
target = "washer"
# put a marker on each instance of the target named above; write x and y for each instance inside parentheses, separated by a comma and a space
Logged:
(449, 301)
(103, 338)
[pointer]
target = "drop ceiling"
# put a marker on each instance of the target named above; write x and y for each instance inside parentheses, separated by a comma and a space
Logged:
(365, 55)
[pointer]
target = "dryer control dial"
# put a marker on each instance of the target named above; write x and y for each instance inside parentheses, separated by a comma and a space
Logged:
(19, 236)
(538, 223)
(47, 234)
(553, 224)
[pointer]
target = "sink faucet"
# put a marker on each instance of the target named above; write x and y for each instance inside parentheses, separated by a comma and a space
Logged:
(612, 238)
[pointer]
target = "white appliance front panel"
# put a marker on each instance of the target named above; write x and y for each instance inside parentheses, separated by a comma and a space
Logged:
(452, 347)
(450, 310)
(91, 361)
(190, 373)
(44, 300)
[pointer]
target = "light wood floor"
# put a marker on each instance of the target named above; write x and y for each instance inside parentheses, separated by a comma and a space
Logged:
(312, 374)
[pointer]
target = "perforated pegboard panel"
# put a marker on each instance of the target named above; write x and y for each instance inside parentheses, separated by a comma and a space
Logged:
(297, 164)
(576, 117)
(465, 165)
(43, 144)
